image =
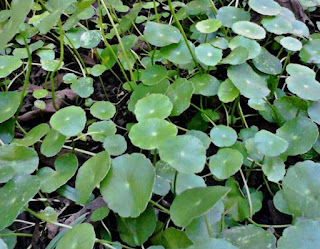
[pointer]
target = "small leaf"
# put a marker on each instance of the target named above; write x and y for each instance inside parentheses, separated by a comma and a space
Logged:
(227, 91)
(69, 121)
(249, 29)
(184, 153)
(188, 181)
(223, 136)
(100, 130)
(230, 15)
(195, 202)
(81, 236)
(9, 103)
(310, 52)
(90, 39)
(33, 136)
(126, 175)
(178, 53)
(65, 165)
(161, 35)
(237, 56)
(208, 26)
(83, 87)
(252, 46)
(291, 43)
(115, 145)
(91, 173)
(225, 163)
(267, 63)
(205, 84)
(103, 110)
(274, 168)
(52, 143)
(153, 75)
(265, 7)
(8, 64)
(208, 55)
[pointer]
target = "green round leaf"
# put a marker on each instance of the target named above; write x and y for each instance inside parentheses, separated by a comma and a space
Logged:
(270, 144)
(249, 237)
(208, 26)
(91, 173)
(267, 63)
(227, 91)
(98, 69)
(66, 166)
(90, 39)
(203, 137)
(9, 103)
(153, 75)
(230, 15)
(40, 93)
(184, 153)
(115, 145)
(213, 244)
(69, 78)
(20, 159)
(205, 84)
(304, 86)
(223, 136)
(16, 193)
(300, 70)
(301, 133)
(265, 7)
(99, 214)
(280, 24)
(153, 106)
(195, 202)
(100, 130)
(69, 121)
(249, 30)
(52, 143)
(301, 189)
(81, 236)
(8, 64)
(249, 83)
(291, 43)
(151, 133)
(126, 175)
(103, 110)
(252, 46)
(274, 168)
(208, 55)
(161, 35)
(225, 163)
(304, 234)
(83, 87)
(237, 56)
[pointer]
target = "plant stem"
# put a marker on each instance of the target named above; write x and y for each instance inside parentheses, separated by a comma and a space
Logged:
(206, 220)
(248, 192)
(15, 234)
(241, 115)
(268, 226)
(79, 150)
(160, 207)
(183, 35)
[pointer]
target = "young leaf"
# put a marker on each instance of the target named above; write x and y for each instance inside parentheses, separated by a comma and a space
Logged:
(103, 110)
(9, 103)
(223, 136)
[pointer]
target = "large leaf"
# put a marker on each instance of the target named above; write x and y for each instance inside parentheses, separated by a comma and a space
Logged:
(16, 193)
(7, 65)
(304, 234)
(91, 174)
(19, 10)
(195, 202)
(250, 237)
(301, 189)
(81, 236)
(126, 175)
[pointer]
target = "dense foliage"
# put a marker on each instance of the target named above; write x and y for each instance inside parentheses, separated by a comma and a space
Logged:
(159, 124)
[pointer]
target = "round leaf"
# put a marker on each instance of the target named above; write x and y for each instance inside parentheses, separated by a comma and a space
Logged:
(304, 86)
(153, 75)
(188, 181)
(274, 168)
(225, 163)
(208, 55)
(227, 91)
(161, 35)
(52, 143)
(126, 175)
(9, 103)
(103, 110)
(291, 43)
(249, 30)
(83, 87)
(100, 130)
(301, 133)
(310, 52)
(230, 15)
(90, 39)
(69, 121)
(205, 84)
(223, 136)
(208, 26)
(153, 106)
(115, 145)
(252, 46)
(267, 63)
(8, 64)
(265, 7)
(184, 153)
(151, 133)
(178, 53)
(270, 144)
(314, 112)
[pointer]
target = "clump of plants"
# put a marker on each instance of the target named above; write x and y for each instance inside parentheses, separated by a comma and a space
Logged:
(159, 124)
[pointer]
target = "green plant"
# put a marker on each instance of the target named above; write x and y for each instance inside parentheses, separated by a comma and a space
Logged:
(169, 125)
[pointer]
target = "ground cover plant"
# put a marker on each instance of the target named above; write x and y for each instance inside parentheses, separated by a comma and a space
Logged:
(159, 124)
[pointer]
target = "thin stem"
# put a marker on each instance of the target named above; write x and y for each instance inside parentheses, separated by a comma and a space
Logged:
(155, 10)
(267, 184)
(201, 110)
(248, 192)
(46, 220)
(241, 115)
(160, 207)
(79, 150)
(268, 226)
(183, 35)
(109, 243)
(15, 234)
(206, 220)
